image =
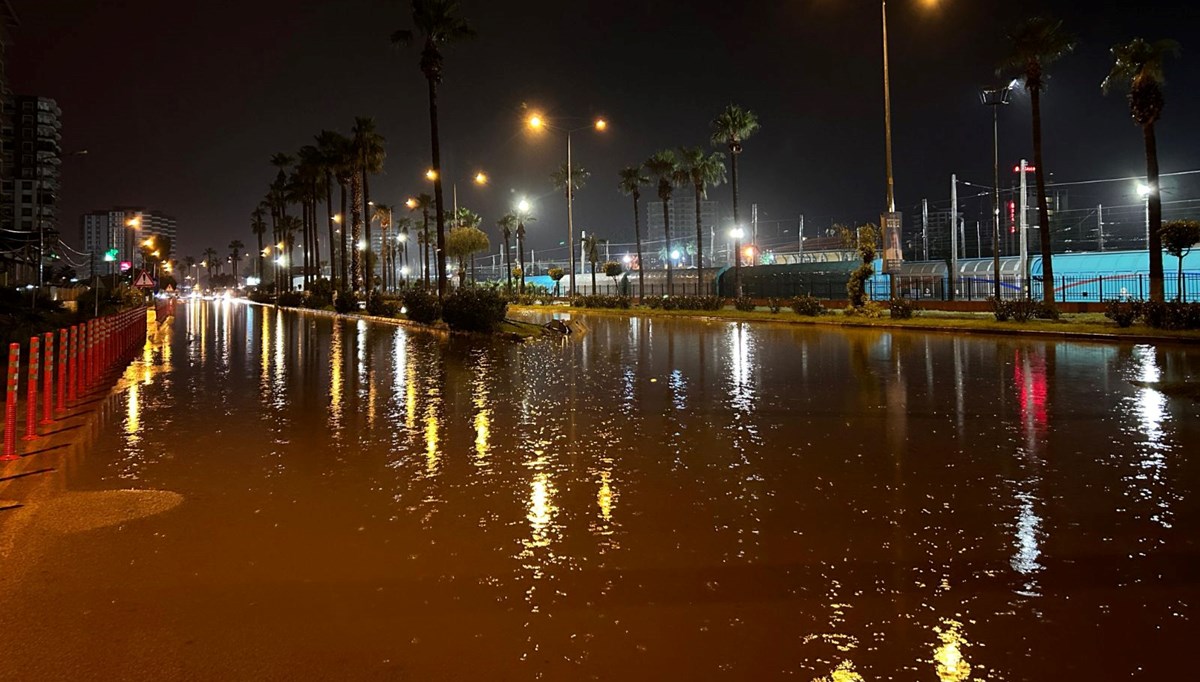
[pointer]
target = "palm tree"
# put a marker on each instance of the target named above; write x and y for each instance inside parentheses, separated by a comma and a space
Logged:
(189, 263)
(423, 202)
(437, 23)
(1138, 66)
(465, 217)
(383, 214)
(508, 223)
(522, 218)
(210, 262)
(403, 225)
(578, 174)
(333, 152)
(235, 255)
(664, 166)
(730, 128)
(258, 227)
(368, 156)
(632, 181)
(701, 172)
(591, 251)
(1036, 44)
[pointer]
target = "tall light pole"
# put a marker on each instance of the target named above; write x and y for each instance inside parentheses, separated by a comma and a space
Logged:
(737, 233)
(537, 122)
(996, 98)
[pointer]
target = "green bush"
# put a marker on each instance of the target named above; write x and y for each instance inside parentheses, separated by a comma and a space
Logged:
(1018, 310)
(871, 309)
(1170, 314)
(902, 308)
(807, 305)
(474, 309)
(422, 306)
(320, 294)
(601, 301)
(382, 307)
(291, 299)
(345, 303)
(744, 304)
(1123, 312)
(1046, 311)
(775, 305)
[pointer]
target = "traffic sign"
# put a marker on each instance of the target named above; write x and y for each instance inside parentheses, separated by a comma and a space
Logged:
(144, 281)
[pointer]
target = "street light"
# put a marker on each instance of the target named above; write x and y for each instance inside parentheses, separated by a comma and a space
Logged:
(996, 98)
(537, 122)
(737, 233)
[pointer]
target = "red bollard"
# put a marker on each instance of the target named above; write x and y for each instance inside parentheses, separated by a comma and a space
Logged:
(73, 365)
(48, 378)
(62, 369)
(10, 405)
(31, 393)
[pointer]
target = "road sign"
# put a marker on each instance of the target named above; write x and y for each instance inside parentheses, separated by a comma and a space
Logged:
(125, 265)
(144, 281)
(893, 256)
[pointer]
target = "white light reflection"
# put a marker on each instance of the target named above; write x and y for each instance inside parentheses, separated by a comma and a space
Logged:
(1150, 407)
(741, 357)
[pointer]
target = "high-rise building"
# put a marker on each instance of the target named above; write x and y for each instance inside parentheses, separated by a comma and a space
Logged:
(37, 154)
(121, 229)
(8, 19)
(682, 211)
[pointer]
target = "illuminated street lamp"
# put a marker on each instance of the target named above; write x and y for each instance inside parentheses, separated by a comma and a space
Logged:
(737, 233)
(537, 123)
(996, 98)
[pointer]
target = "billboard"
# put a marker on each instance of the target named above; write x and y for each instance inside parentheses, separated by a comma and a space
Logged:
(893, 256)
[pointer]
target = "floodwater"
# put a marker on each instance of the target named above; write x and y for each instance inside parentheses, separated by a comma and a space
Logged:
(304, 498)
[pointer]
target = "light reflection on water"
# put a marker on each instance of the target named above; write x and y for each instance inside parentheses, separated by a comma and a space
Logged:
(673, 499)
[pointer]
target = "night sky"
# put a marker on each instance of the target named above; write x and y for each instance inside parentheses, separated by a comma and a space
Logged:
(181, 104)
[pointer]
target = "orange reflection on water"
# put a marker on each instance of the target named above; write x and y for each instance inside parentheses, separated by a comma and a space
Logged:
(335, 377)
(541, 510)
(948, 657)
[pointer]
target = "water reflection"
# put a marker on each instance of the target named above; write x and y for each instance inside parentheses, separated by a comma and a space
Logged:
(773, 501)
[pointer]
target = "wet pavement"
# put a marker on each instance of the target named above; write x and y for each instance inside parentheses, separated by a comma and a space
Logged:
(278, 496)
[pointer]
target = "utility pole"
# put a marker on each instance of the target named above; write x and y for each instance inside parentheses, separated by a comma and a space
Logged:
(925, 228)
(1100, 225)
(800, 241)
(953, 235)
(1023, 226)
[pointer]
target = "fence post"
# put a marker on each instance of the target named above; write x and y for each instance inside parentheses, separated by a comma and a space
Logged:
(10, 404)
(62, 369)
(73, 364)
(31, 391)
(48, 379)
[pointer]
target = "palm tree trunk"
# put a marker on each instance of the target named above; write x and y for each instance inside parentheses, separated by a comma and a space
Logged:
(437, 187)
(699, 245)
(1154, 216)
(329, 223)
(521, 259)
(356, 221)
(346, 285)
(1043, 207)
(593, 278)
(304, 252)
(507, 266)
(733, 180)
(368, 265)
(425, 248)
(637, 238)
(667, 234)
(260, 256)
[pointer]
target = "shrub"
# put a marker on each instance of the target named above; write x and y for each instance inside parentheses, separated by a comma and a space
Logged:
(744, 304)
(807, 305)
(1018, 310)
(1171, 315)
(902, 308)
(291, 299)
(1000, 309)
(320, 294)
(871, 310)
(422, 306)
(261, 296)
(382, 307)
(345, 303)
(775, 305)
(1046, 311)
(1122, 312)
(473, 309)
(601, 301)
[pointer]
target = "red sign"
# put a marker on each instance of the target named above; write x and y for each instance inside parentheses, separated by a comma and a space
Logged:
(126, 265)
(1028, 169)
(144, 281)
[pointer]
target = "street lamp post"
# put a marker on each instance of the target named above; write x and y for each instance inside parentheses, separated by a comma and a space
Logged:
(537, 122)
(737, 233)
(995, 98)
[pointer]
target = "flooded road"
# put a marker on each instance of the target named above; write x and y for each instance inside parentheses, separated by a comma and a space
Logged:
(660, 500)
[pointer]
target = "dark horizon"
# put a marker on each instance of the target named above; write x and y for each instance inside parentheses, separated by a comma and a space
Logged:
(180, 108)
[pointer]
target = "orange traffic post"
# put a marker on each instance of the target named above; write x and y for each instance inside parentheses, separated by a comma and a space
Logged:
(48, 378)
(10, 404)
(62, 369)
(31, 392)
(73, 365)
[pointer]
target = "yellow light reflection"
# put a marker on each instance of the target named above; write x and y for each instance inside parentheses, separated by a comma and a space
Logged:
(147, 362)
(431, 439)
(844, 672)
(410, 397)
(541, 510)
(264, 359)
(482, 432)
(948, 654)
(335, 377)
(605, 498)
(132, 422)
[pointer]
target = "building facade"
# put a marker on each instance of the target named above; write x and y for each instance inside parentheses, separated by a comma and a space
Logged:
(122, 229)
(682, 211)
